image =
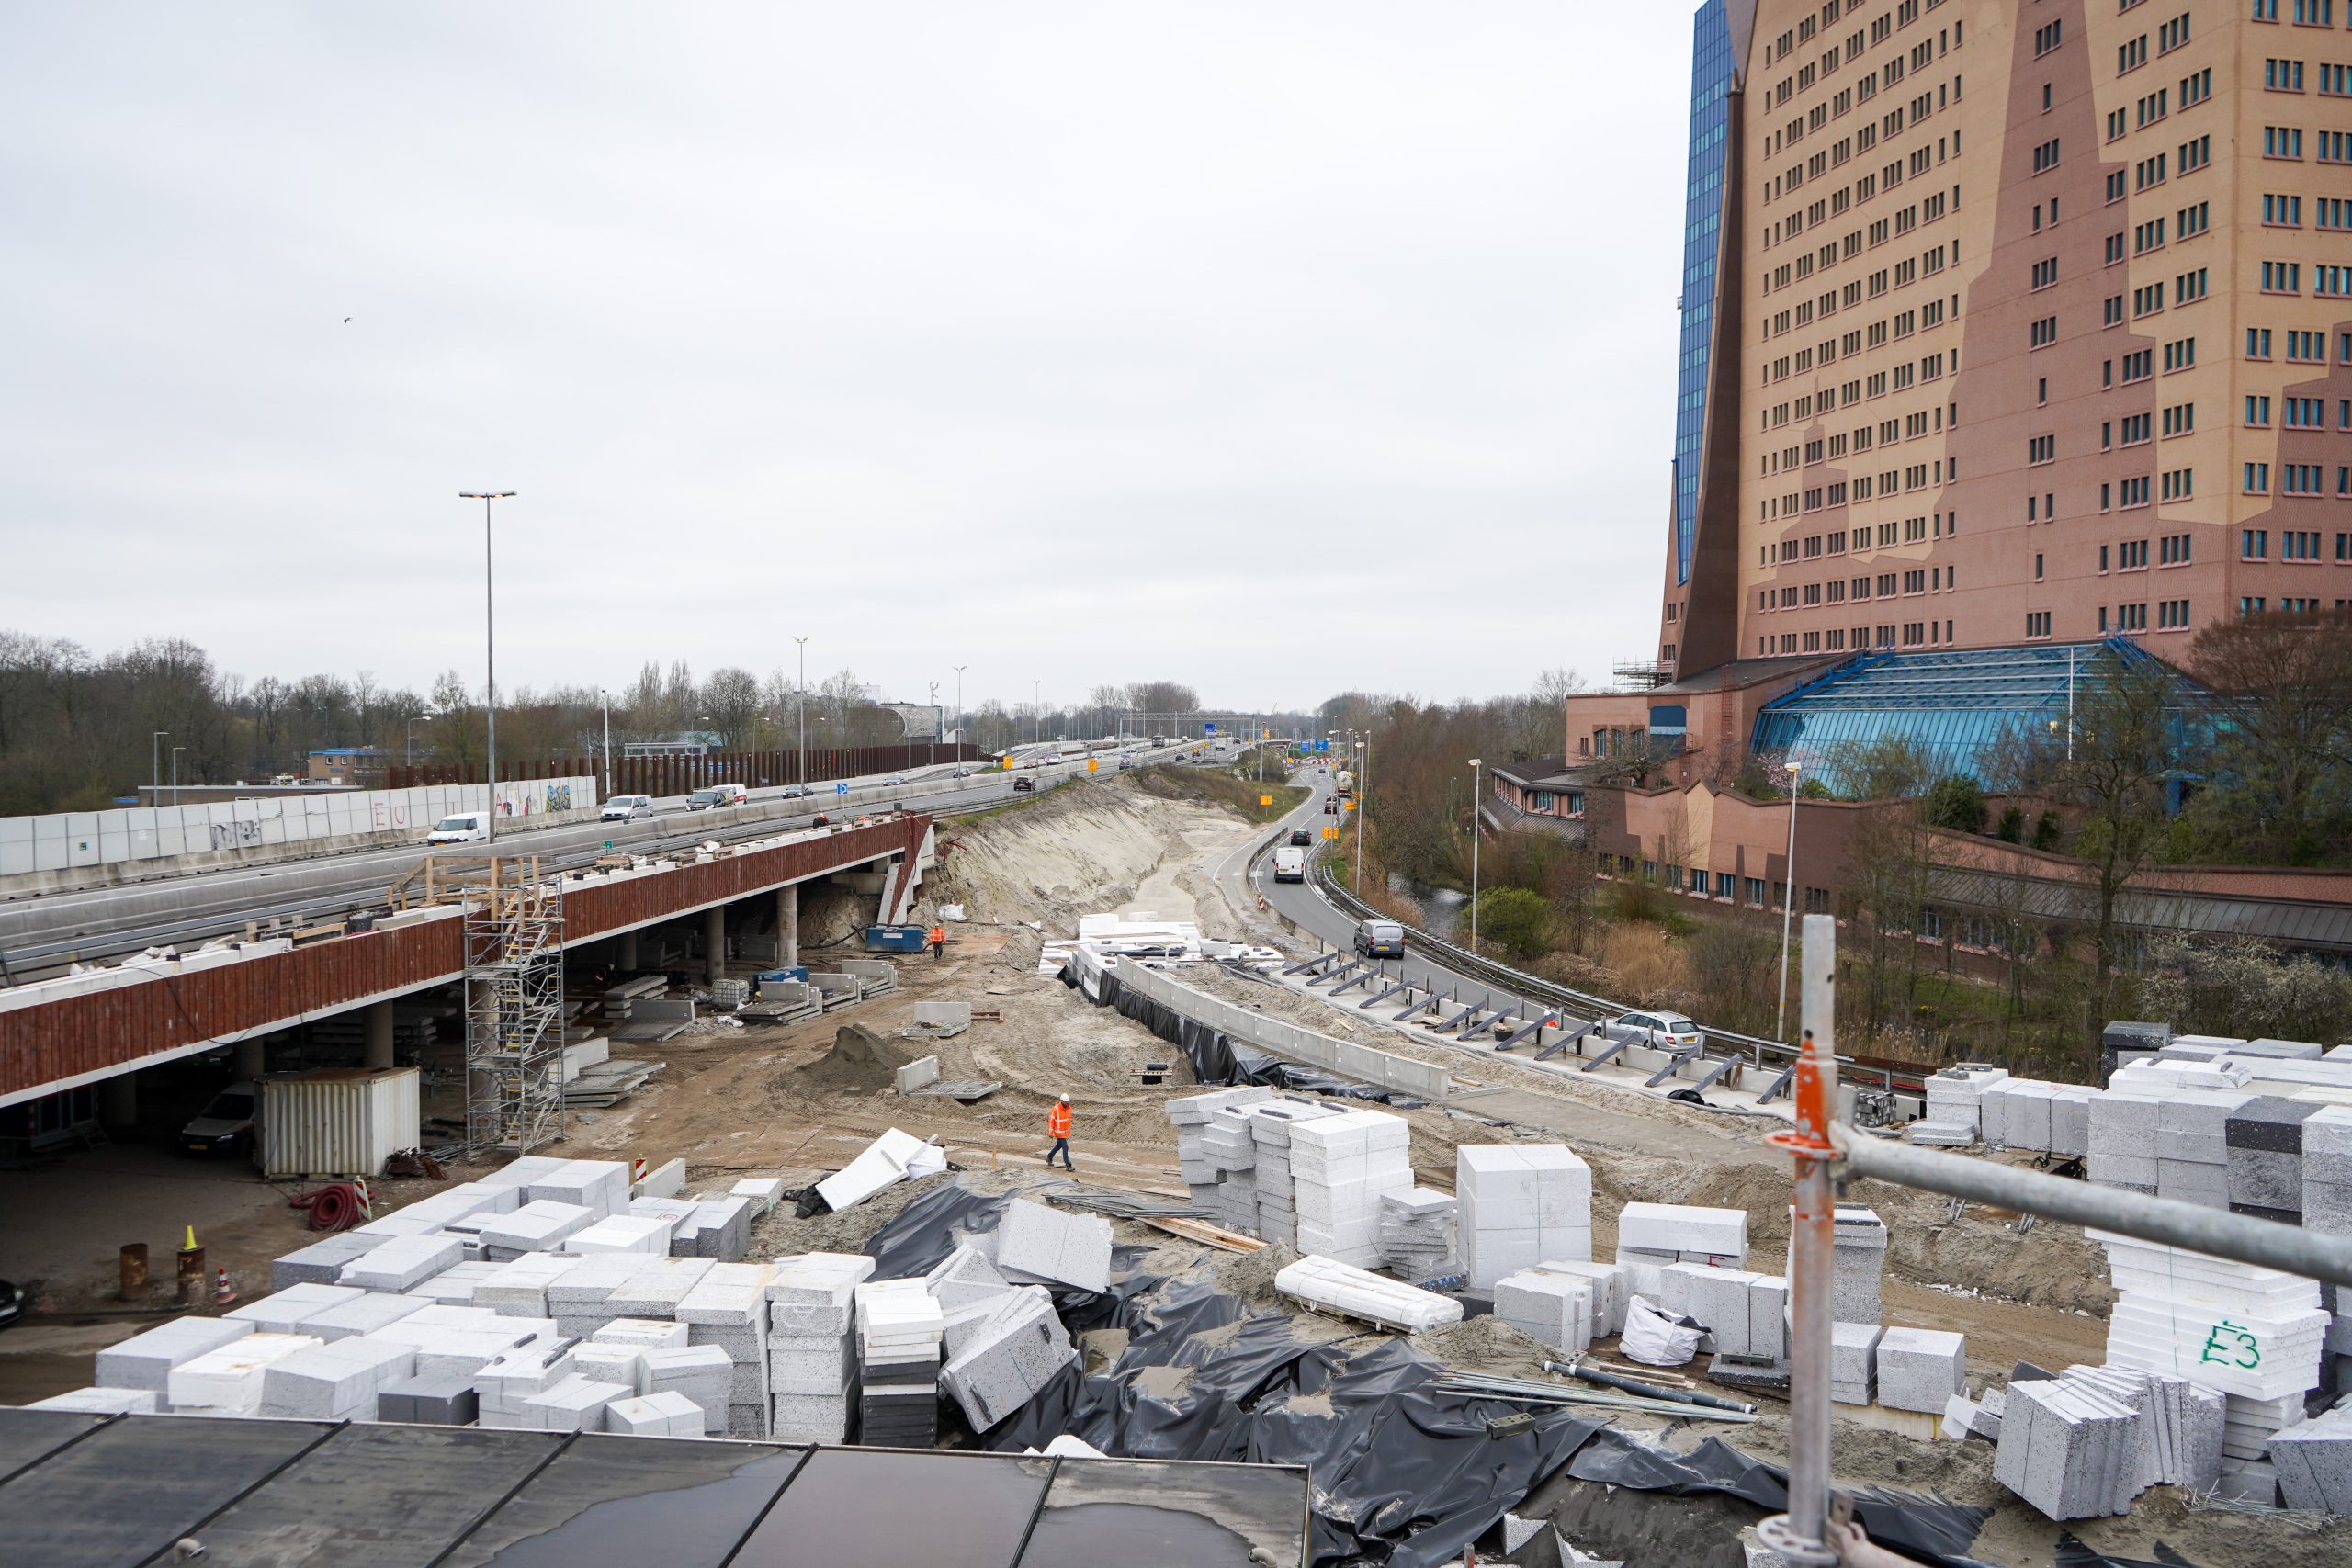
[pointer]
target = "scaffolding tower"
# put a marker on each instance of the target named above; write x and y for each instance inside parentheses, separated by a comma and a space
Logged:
(513, 926)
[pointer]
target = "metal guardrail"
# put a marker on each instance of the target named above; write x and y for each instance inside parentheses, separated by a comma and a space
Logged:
(1753, 1049)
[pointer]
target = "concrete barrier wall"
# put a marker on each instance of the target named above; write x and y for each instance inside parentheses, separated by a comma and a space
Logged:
(1340, 1058)
(224, 831)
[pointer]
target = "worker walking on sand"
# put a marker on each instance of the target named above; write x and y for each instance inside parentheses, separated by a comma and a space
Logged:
(938, 941)
(1057, 1123)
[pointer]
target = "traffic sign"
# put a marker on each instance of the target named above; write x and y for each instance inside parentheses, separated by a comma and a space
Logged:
(1092, 765)
(1209, 728)
(1265, 800)
(1331, 833)
(1008, 762)
(841, 789)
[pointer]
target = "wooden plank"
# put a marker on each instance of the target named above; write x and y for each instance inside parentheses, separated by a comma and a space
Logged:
(1207, 1233)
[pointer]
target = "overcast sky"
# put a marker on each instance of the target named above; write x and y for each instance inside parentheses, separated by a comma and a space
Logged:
(1276, 347)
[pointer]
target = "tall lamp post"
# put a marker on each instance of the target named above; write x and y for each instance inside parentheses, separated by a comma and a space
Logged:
(428, 715)
(801, 713)
(1036, 710)
(1476, 794)
(176, 774)
(1788, 903)
(959, 706)
(931, 753)
(1361, 782)
(155, 765)
(490, 646)
(606, 698)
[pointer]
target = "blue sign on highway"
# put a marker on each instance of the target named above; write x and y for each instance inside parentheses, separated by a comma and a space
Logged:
(841, 789)
(1209, 730)
(1321, 744)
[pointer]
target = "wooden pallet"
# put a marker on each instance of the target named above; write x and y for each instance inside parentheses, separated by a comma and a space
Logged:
(1204, 1233)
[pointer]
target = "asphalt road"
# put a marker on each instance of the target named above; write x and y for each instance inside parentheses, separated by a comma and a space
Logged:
(39, 934)
(1304, 907)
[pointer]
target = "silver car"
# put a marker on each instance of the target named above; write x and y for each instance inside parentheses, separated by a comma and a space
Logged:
(1663, 1031)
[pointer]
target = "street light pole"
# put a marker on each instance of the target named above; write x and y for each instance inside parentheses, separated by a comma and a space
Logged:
(606, 697)
(932, 752)
(1788, 903)
(959, 703)
(1036, 711)
(489, 648)
(801, 713)
(176, 774)
(429, 716)
(1476, 794)
(1364, 779)
(155, 765)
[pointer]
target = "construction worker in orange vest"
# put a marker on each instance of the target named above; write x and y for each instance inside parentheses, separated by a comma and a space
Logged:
(938, 941)
(1057, 1123)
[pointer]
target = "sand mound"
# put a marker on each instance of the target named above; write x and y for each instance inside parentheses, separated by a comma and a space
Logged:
(860, 1059)
(1486, 1345)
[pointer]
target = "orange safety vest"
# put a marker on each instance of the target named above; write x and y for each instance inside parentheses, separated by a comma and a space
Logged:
(1057, 1120)
(939, 935)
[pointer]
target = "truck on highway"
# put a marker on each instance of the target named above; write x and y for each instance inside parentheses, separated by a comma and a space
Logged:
(1346, 784)
(1290, 864)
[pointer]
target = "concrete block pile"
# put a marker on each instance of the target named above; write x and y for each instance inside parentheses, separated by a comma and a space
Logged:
(654, 1415)
(1552, 1309)
(1339, 1288)
(1853, 1362)
(2313, 1461)
(893, 1158)
(2028, 1113)
(812, 1316)
(2084, 1444)
(1921, 1369)
(1612, 1290)
(1277, 1188)
(1416, 1234)
(1232, 1149)
(1652, 1236)
(899, 1331)
(1858, 1242)
(1191, 1117)
(1745, 1313)
(1952, 1111)
(2266, 1157)
(2327, 1209)
(702, 1373)
(2123, 1141)
(2253, 1335)
(228, 1380)
(1340, 1166)
(1520, 1205)
(97, 1401)
(144, 1362)
(1003, 1359)
(1037, 1245)
(539, 1226)
(727, 1310)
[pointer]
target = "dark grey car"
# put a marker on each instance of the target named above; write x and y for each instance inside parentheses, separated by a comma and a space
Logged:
(1380, 938)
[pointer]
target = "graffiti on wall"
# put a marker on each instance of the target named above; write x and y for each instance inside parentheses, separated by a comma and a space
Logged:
(239, 835)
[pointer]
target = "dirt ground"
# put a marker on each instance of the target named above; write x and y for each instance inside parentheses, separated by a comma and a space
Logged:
(792, 1100)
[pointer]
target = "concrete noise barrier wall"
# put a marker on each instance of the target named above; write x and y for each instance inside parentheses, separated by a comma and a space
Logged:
(1340, 1058)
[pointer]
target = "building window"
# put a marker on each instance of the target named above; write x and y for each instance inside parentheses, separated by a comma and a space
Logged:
(2254, 543)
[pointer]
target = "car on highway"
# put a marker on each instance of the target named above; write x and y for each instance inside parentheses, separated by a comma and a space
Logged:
(1024, 786)
(1662, 1031)
(12, 1304)
(626, 809)
(1053, 758)
(1379, 939)
(895, 779)
(795, 791)
(225, 1125)
(1330, 809)
(460, 828)
(1301, 836)
(961, 773)
(1290, 864)
(718, 795)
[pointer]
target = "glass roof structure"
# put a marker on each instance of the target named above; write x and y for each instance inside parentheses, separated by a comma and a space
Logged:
(1954, 704)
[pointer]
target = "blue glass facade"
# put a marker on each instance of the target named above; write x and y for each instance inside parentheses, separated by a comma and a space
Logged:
(1953, 703)
(1711, 82)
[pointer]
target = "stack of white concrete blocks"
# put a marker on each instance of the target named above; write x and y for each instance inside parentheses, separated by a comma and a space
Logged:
(1191, 1117)
(1353, 1292)
(2252, 1335)
(2123, 1140)
(664, 1414)
(1612, 1290)
(727, 1310)
(1000, 1359)
(1340, 1166)
(1920, 1369)
(2193, 1146)
(702, 1373)
(337, 1381)
(144, 1362)
(2313, 1461)
(1745, 1313)
(1853, 1362)
(228, 1380)
(1417, 1233)
(541, 1225)
(2028, 1113)
(1953, 1119)
(1858, 1239)
(812, 1318)
(1036, 1245)
(1517, 1205)
(1652, 1237)
(900, 1332)
(1555, 1310)
(1226, 1141)
(1277, 1190)
(2084, 1444)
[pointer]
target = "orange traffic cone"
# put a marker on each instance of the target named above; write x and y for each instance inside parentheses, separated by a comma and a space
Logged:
(223, 1292)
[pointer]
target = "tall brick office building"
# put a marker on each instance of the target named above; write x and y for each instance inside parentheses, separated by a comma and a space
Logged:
(2010, 321)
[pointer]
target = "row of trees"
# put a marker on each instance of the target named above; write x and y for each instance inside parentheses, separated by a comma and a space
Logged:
(79, 731)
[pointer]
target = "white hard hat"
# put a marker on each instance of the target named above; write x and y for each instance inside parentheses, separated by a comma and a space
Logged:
(1064, 1099)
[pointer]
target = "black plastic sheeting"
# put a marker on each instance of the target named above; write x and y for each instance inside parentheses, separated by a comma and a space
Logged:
(1404, 1475)
(1218, 1059)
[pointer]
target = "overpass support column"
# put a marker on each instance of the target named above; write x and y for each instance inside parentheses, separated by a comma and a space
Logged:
(118, 1100)
(379, 1036)
(628, 950)
(249, 1060)
(788, 926)
(714, 942)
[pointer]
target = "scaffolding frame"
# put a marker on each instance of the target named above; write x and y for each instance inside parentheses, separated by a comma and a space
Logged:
(514, 940)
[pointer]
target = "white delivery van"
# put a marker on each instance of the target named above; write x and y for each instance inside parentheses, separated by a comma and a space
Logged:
(464, 828)
(1290, 864)
(626, 807)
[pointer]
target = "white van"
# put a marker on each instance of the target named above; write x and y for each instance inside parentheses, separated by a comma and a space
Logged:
(1290, 864)
(626, 807)
(464, 828)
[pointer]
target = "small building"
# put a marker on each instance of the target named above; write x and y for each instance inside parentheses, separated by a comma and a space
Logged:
(1546, 795)
(359, 766)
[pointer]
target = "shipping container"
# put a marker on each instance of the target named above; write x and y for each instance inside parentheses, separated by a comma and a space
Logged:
(337, 1121)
